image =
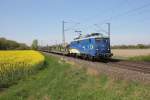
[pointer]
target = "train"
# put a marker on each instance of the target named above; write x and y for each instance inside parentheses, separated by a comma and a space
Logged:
(91, 46)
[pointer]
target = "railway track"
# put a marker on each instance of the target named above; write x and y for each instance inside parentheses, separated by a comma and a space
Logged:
(143, 67)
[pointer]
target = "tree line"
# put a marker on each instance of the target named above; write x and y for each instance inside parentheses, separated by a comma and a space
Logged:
(138, 46)
(6, 44)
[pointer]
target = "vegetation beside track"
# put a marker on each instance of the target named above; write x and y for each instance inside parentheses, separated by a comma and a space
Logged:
(63, 81)
(138, 46)
(140, 58)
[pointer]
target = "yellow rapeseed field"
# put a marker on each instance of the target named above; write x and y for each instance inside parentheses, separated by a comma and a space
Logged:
(17, 64)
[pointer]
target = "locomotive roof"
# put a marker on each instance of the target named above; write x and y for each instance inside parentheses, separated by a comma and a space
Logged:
(92, 35)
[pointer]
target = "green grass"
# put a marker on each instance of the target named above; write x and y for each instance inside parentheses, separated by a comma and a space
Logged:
(61, 81)
(140, 58)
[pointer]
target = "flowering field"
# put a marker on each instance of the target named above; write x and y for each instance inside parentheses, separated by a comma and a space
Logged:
(17, 64)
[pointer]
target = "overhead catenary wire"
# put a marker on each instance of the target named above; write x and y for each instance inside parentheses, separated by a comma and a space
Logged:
(87, 26)
(112, 17)
(99, 27)
(119, 15)
(72, 27)
(111, 9)
(125, 13)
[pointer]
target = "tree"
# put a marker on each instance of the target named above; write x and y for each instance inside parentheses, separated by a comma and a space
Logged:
(34, 45)
(141, 46)
(11, 45)
(23, 47)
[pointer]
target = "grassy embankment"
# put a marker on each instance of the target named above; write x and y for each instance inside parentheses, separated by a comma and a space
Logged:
(140, 58)
(62, 81)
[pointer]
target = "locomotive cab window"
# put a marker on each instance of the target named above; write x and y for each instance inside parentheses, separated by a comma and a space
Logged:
(98, 39)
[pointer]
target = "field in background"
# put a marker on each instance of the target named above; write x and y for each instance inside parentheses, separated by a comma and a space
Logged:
(130, 52)
(17, 64)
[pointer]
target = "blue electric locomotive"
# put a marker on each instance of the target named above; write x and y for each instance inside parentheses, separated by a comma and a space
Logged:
(94, 45)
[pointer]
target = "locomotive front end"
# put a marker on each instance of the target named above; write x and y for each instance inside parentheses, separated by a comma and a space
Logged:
(103, 49)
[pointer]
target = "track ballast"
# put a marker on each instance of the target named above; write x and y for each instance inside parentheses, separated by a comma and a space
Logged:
(143, 67)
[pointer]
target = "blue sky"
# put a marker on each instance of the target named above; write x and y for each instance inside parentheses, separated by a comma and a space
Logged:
(25, 20)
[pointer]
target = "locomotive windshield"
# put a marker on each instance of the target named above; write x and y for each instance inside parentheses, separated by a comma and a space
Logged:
(102, 44)
(102, 40)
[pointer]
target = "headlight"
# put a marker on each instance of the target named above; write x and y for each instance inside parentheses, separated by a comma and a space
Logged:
(91, 46)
